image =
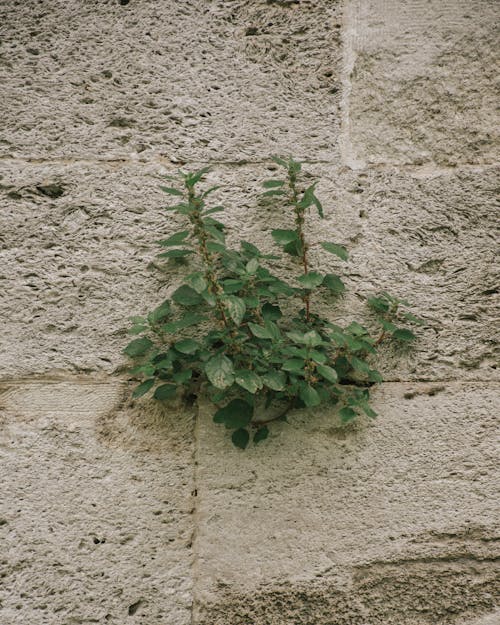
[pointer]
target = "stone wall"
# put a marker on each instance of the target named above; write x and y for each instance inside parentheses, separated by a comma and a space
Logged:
(114, 511)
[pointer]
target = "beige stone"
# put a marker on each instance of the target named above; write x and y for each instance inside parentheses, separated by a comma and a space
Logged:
(392, 521)
(96, 503)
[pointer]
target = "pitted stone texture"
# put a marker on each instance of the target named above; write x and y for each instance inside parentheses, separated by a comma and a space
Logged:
(393, 521)
(76, 266)
(423, 82)
(206, 80)
(95, 508)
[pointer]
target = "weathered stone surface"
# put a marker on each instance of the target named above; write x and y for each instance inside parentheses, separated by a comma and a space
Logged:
(206, 80)
(76, 266)
(389, 522)
(95, 510)
(421, 84)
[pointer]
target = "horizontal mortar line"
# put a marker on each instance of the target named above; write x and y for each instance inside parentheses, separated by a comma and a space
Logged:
(430, 168)
(111, 380)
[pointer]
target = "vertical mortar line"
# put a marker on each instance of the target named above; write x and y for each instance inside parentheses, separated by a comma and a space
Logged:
(195, 520)
(349, 31)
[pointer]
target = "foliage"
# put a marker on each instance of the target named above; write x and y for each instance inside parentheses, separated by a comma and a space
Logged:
(227, 330)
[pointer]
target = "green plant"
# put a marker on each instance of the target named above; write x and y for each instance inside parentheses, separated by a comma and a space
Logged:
(241, 334)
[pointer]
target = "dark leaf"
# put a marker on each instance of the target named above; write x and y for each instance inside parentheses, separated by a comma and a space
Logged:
(402, 334)
(334, 248)
(240, 438)
(165, 391)
(143, 388)
(171, 191)
(272, 184)
(138, 347)
(282, 237)
(236, 414)
(175, 239)
(347, 414)
(334, 283)
(186, 296)
(261, 434)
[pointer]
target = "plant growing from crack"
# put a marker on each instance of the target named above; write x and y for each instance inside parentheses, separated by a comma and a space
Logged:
(227, 332)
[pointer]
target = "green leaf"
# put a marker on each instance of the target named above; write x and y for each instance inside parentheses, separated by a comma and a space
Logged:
(378, 304)
(271, 313)
(249, 380)
(413, 319)
(216, 234)
(175, 239)
(293, 364)
(252, 266)
(231, 285)
(307, 198)
(186, 296)
(318, 205)
(259, 331)
(334, 248)
(137, 329)
(192, 178)
(143, 388)
(294, 248)
(187, 346)
(160, 313)
(318, 357)
(402, 334)
(240, 438)
(235, 307)
(327, 372)
(215, 209)
(347, 414)
(359, 365)
(189, 319)
(312, 339)
(272, 184)
(213, 246)
(236, 414)
(310, 280)
(369, 412)
(386, 325)
(309, 395)
(138, 347)
(273, 192)
(175, 253)
(182, 376)
(220, 371)
(282, 237)
(165, 391)
(374, 376)
(171, 191)
(280, 161)
(334, 283)
(274, 380)
(261, 434)
(197, 281)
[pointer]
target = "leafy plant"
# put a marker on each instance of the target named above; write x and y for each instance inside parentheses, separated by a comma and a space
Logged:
(230, 330)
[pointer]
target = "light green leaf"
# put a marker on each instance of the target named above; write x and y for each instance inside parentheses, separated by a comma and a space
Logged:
(310, 280)
(171, 191)
(309, 395)
(137, 329)
(249, 380)
(235, 307)
(271, 313)
(197, 281)
(175, 253)
(327, 372)
(259, 331)
(334, 248)
(160, 313)
(220, 371)
(274, 380)
(189, 319)
(272, 184)
(187, 346)
(176, 239)
(293, 364)
(252, 266)
(282, 237)
(182, 376)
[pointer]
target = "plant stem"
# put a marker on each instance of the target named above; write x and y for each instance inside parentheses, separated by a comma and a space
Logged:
(299, 223)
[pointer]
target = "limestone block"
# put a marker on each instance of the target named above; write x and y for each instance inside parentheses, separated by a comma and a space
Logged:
(392, 521)
(78, 257)
(420, 81)
(206, 80)
(95, 510)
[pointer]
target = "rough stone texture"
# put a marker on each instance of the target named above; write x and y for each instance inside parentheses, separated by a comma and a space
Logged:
(423, 81)
(95, 512)
(392, 105)
(78, 265)
(394, 522)
(170, 78)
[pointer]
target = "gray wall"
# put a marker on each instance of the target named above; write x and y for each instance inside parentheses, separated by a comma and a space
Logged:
(115, 511)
